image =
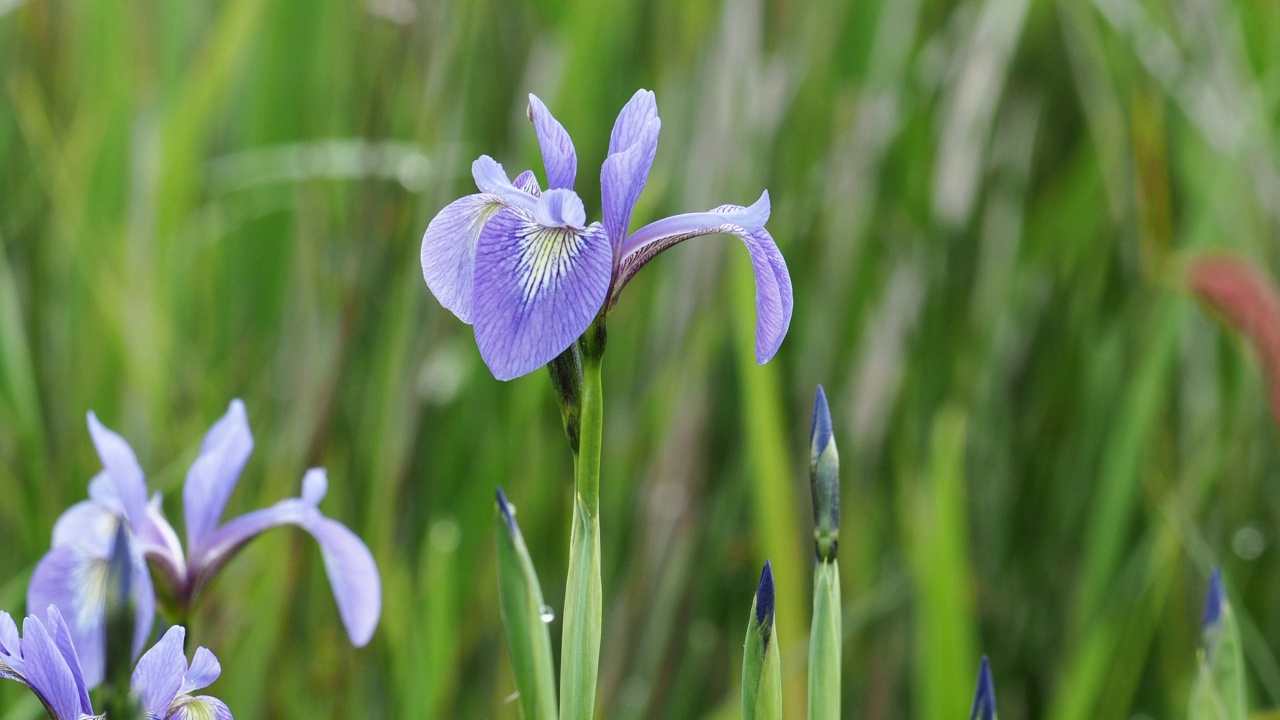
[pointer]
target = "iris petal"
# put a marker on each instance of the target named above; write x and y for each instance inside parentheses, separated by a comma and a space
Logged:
(123, 470)
(61, 635)
(204, 669)
(212, 477)
(202, 707)
(774, 299)
(46, 673)
(622, 179)
(158, 676)
(633, 120)
(353, 574)
(449, 250)
(537, 290)
(558, 155)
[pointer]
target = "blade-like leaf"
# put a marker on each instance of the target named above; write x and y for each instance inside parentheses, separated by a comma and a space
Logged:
(824, 643)
(525, 618)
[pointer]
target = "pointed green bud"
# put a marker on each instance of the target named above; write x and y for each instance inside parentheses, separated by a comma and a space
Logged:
(824, 480)
(120, 616)
(984, 698)
(525, 619)
(761, 660)
(566, 379)
(1219, 689)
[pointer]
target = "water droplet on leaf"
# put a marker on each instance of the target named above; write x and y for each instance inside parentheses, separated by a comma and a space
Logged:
(548, 614)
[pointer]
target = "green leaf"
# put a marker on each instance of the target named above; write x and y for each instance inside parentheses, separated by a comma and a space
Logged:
(525, 618)
(761, 659)
(824, 643)
(1219, 689)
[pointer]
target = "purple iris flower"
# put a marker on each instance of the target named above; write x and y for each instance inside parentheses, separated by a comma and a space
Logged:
(44, 658)
(524, 268)
(72, 575)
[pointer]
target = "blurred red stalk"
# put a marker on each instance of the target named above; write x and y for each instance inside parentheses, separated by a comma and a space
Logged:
(1249, 300)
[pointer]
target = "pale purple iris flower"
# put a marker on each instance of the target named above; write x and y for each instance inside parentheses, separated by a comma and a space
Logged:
(72, 575)
(524, 268)
(44, 658)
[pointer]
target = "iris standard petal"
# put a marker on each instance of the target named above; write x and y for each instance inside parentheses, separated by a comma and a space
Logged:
(353, 574)
(622, 179)
(159, 543)
(202, 707)
(491, 179)
(537, 290)
(73, 577)
(47, 673)
(61, 635)
(558, 155)
(528, 182)
(774, 298)
(213, 475)
(158, 676)
(633, 120)
(449, 250)
(123, 469)
(204, 669)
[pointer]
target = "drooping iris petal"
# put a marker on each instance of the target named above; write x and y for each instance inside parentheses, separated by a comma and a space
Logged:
(73, 575)
(202, 707)
(158, 675)
(558, 154)
(353, 574)
(204, 669)
(212, 477)
(61, 635)
(622, 178)
(123, 470)
(47, 674)
(449, 250)
(537, 289)
(774, 299)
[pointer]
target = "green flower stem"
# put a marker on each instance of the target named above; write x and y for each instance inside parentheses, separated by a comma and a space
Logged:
(580, 646)
(824, 643)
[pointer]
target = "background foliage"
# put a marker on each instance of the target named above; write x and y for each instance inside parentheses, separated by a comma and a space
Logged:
(986, 207)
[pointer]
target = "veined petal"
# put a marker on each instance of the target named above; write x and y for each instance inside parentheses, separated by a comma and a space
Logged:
(10, 641)
(353, 574)
(774, 299)
(623, 175)
(61, 635)
(493, 180)
(560, 208)
(537, 290)
(633, 120)
(158, 676)
(558, 155)
(122, 468)
(202, 707)
(449, 250)
(212, 477)
(73, 578)
(528, 182)
(47, 674)
(204, 669)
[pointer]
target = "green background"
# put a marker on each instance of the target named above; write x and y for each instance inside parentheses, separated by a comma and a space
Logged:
(986, 207)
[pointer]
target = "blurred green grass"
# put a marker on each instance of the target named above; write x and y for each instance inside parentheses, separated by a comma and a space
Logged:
(984, 206)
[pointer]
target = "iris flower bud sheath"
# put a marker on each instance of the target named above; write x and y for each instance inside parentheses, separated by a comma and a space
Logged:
(525, 618)
(825, 632)
(121, 612)
(984, 698)
(761, 660)
(1219, 689)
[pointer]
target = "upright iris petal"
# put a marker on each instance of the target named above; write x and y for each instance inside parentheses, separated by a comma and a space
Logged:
(558, 154)
(632, 147)
(214, 474)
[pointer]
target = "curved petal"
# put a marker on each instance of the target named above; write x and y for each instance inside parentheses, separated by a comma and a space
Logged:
(633, 120)
(493, 180)
(353, 574)
(123, 470)
(57, 628)
(158, 676)
(72, 577)
(622, 179)
(558, 155)
(199, 708)
(47, 673)
(528, 182)
(159, 542)
(537, 290)
(212, 477)
(774, 299)
(449, 250)
(10, 641)
(560, 208)
(204, 669)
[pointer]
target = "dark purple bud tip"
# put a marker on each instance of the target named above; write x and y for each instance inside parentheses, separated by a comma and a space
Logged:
(984, 700)
(764, 597)
(1213, 600)
(820, 429)
(508, 512)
